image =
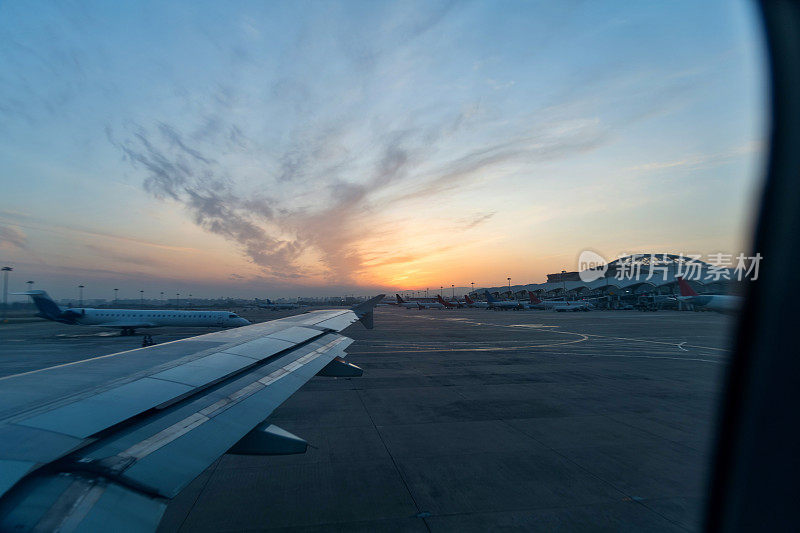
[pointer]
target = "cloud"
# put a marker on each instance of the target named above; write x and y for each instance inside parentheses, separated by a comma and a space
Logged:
(308, 215)
(184, 174)
(11, 238)
(697, 161)
(300, 174)
(477, 220)
(121, 257)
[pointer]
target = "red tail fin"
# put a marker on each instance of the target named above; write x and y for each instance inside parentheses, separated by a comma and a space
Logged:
(468, 299)
(686, 289)
(441, 301)
(533, 298)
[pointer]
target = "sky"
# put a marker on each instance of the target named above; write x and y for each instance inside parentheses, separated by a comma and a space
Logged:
(323, 148)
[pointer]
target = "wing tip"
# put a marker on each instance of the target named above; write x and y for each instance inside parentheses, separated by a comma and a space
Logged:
(364, 310)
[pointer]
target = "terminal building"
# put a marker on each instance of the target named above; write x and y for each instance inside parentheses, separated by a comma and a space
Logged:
(645, 280)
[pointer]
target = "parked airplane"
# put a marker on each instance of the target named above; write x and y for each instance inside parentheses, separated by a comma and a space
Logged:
(445, 303)
(128, 320)
(104, 443)
(427, 304)
(721, 303)
(557, 305)
(501, 304)
(473, 303)
(276, 306)
(573, 306)
(403, 303)
(418, 304)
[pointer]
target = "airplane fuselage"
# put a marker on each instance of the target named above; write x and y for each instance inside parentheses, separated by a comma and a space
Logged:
(721, 303)
(143, 318)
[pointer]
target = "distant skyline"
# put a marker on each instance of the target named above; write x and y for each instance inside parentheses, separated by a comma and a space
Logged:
(290, 149)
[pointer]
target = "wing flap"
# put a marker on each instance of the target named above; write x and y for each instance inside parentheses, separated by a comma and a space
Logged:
(171, 458)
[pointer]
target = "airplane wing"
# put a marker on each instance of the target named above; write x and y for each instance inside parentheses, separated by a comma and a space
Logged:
(105, 443)
(126, 324)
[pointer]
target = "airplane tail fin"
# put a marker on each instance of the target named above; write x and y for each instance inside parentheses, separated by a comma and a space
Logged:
(533, 298)
(399, 299)
(488, 297)
(442, 301)
(686, 289)
(468, 299)
(47, 307)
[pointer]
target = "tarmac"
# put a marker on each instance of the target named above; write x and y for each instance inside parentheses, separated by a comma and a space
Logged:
(466, 420)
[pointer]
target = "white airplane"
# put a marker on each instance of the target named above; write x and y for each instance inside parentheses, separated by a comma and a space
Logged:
(721, 303)
(501, 304)
(417, 304)
(473, 303)
(557, 305)
(273, 306)
(128, 320)
(403, 303)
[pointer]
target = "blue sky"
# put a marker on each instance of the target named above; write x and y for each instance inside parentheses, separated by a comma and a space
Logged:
(290, 148)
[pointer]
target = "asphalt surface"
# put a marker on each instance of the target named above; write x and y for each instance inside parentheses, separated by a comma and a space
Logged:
(466, 420)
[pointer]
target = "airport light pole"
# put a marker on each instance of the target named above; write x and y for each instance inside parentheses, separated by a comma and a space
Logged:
(30, 288)
(162, 298)
(473, 285)
(116, 294)
(80, 295)
(564, 283)
(177, 300)
(5, 271)
(441, 291)
(141, 298)
(453, 286)
(509, 284)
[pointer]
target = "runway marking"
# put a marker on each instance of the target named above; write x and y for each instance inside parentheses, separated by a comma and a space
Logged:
(663, 357)
(661, 342)
(664, 343)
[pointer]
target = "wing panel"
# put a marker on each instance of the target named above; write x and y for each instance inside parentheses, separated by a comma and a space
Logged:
(205, 370)
(295, 334)
(24, 443)
(12, 471)
(93, 414)
(337, 323)
(260, 348)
